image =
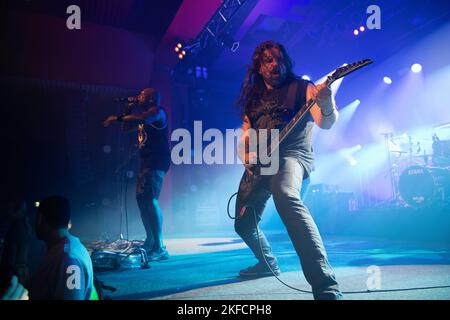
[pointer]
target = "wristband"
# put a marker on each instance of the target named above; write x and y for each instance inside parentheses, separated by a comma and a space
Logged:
(327, 115)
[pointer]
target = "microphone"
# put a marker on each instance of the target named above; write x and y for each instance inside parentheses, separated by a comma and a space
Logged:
(127, 99)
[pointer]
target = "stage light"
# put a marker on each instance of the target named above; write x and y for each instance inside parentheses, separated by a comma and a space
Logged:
(348, 152)
(362, 28)
(346, 114)
(416, 68)
(355, 32)
(305, 77)
(181, 50)
(387, 80)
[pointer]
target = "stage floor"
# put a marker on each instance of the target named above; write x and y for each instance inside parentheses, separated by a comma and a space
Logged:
(206, 268)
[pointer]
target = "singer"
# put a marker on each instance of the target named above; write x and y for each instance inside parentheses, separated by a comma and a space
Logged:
(153, 144)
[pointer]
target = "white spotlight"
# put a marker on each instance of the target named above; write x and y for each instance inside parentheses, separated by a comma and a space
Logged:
(305, 77)
(387, 80)
(416, 68)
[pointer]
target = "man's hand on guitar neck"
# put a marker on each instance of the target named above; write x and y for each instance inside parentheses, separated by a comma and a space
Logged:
(324, 110)
(322, 94)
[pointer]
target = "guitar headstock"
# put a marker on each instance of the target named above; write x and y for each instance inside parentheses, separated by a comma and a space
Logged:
(347, 69)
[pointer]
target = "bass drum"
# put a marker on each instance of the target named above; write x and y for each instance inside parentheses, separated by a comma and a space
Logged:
(421, 186)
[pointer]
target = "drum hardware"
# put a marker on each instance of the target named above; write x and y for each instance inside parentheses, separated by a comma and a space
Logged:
(441, 152)
(418, 168)
(410, 162)
(422, 186)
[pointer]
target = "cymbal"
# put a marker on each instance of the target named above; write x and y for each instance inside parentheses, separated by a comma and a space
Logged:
(443, 126)
(411, 139)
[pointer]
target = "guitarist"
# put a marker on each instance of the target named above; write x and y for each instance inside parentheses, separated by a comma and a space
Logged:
(154, 150)
(270, 96)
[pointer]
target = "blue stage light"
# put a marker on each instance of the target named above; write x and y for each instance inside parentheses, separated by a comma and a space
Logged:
(305, 77)
(387, 80)
(416, 68)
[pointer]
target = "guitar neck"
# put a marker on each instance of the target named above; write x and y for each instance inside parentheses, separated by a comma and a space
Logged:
(296, 120)
(290, 126)
(337, 74)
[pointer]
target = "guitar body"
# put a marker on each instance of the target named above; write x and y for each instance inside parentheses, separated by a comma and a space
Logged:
(248, 185)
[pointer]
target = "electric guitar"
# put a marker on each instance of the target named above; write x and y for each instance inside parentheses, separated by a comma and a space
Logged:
(250, 182)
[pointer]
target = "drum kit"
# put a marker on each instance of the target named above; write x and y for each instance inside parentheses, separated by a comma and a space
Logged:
(419, 168)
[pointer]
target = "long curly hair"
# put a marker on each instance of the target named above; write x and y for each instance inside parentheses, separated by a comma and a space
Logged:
(253, 86)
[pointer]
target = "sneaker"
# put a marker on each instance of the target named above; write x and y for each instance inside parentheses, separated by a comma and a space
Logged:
(329, 296)
(260, 270)
(157, 255)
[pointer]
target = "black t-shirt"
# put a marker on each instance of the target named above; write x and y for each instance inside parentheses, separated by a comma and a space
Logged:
(155, 152)
(273, 111)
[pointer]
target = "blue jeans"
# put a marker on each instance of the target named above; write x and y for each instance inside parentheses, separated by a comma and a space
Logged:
(285, 187)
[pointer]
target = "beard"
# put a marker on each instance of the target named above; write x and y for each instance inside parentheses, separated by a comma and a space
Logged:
(275, 77)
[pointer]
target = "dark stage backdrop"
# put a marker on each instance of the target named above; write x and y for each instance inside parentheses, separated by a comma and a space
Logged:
(54, 143)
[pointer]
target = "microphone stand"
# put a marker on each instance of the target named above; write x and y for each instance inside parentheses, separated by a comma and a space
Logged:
(392, 171)
(122, 194)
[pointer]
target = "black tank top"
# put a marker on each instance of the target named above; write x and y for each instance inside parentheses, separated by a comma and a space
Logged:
(274, 111)
(155, 152)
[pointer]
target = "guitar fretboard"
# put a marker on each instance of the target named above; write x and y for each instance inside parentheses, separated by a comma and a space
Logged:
(291, 125)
